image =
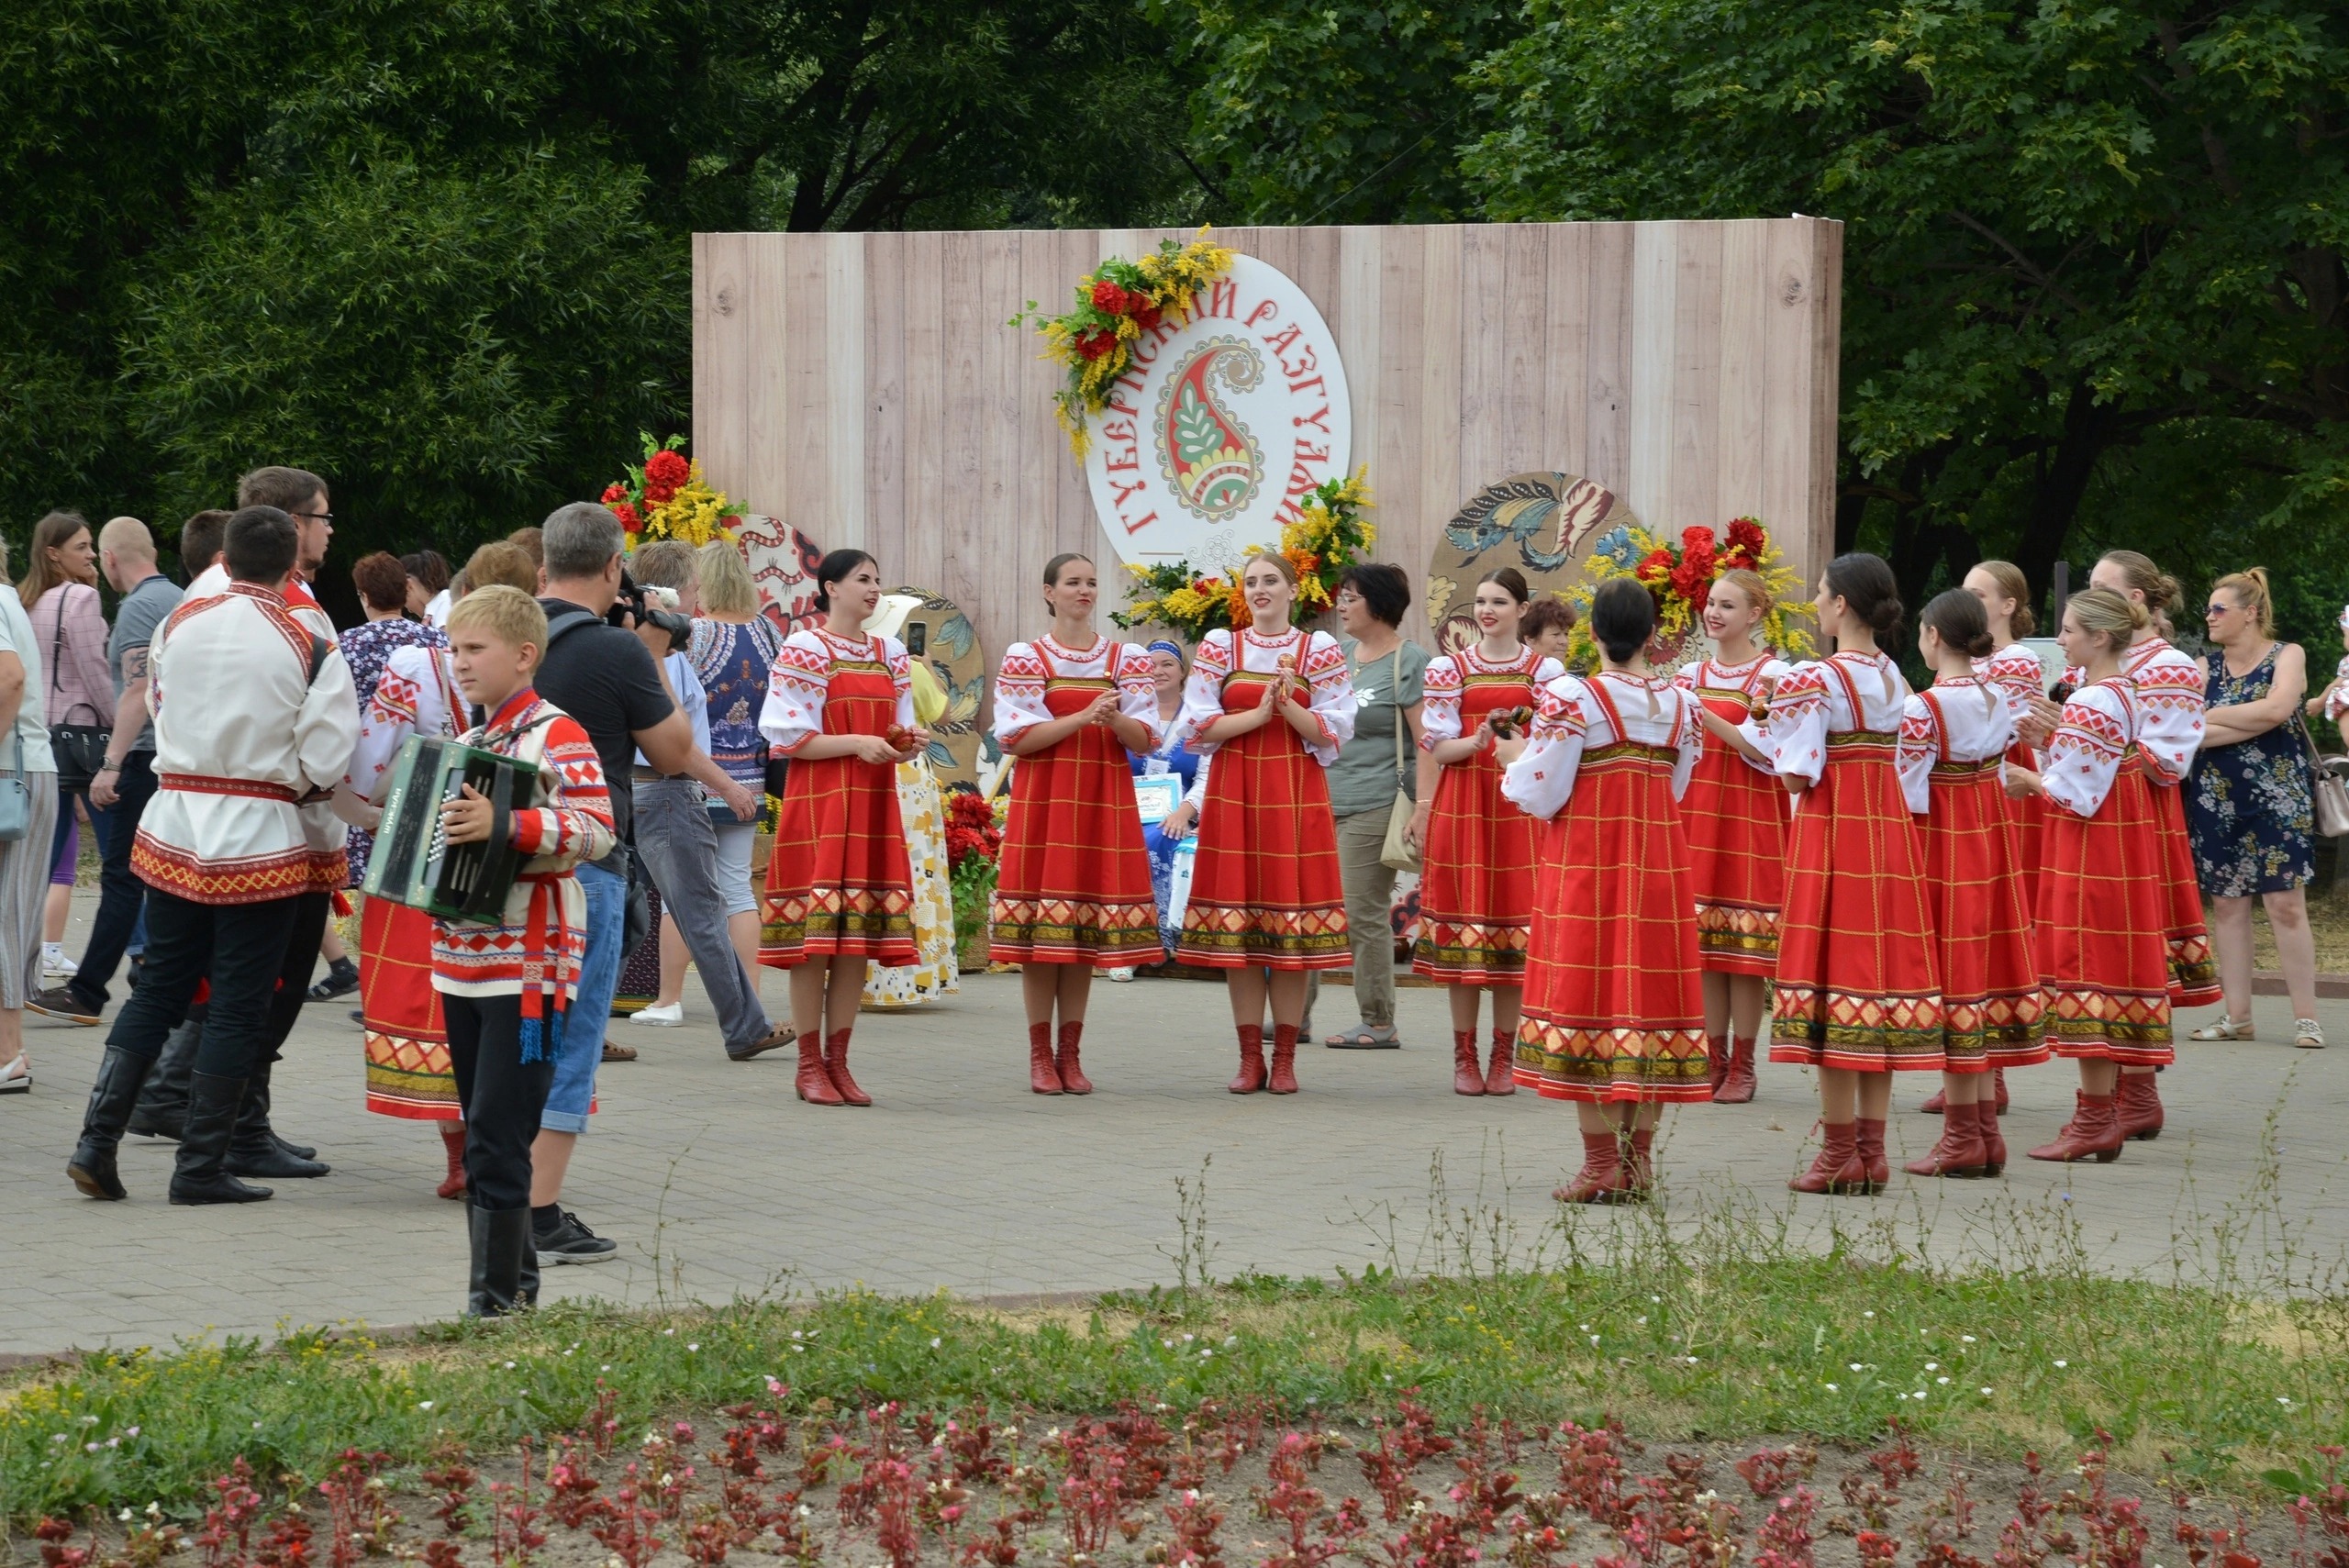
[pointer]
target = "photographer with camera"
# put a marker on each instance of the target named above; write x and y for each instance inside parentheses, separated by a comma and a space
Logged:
(603, 667)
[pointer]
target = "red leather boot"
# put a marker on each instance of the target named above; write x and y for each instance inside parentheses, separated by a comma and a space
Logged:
(1283, 1078)
(2093, 1133)
(1994, 1148)
(1999, 1082)
(1042, 1078)
(452, 1141)
(1870, 1138)
(1251, 1060)
(1642, 1172)
(1467, 1078)
(1500, 1073)
(1958, 1152)
(1737, 1082)
(1716, 1063)
(2138, 1106)
(1072, 1071)
(1937, 1106)
(1602, 1178)
(1838, 1167)
(836, 1064)
(814, 1084)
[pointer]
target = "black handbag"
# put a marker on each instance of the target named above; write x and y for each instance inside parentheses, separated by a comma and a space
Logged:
(81, 749)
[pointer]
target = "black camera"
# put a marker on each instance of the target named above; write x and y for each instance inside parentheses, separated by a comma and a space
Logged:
(635, 606)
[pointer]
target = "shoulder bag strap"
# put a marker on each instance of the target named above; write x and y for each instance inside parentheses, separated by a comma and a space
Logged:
(1395, 688)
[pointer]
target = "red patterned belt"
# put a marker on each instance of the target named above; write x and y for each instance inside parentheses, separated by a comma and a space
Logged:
(204, 784)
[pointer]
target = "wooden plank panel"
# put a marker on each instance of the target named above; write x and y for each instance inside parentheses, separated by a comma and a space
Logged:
(767, 319)
(1484, 373)
(1784, 303)
(1607, 455)
(1565, 347)
(1439, 369)
(1001, 550)
(884, 398)
(1696, 376)
(1394, 477)
(805, 435)
(1519, 401)
(844, 320)
(1655, 276)
(925, 314)
(1077, 526)
(954, 571)
(1826, 327)
(1742, 388)
(1360, 276)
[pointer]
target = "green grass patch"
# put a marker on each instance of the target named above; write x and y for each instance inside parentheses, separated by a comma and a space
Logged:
(1715, 1327)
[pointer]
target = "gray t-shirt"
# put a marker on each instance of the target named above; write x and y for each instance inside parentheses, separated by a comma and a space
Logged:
(1363, 778)
(147, 604)
(16, 636)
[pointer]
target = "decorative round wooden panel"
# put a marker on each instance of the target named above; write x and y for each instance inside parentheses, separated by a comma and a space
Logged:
(782, 563)
(1543, 524)
(941, 638)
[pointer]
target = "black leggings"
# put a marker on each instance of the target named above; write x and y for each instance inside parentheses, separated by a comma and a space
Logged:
(501, 1094)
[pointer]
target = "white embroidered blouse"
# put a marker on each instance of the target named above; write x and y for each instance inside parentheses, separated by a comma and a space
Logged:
(1812, 704)
(1569, 721)
(1318, 660)
(801, 677)
(1974, 718)
(2100, 722)
(1448, 676)
(1028, 667)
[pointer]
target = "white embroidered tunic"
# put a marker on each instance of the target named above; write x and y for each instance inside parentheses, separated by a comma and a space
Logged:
(2101, 723)
(242, 734)
(1757, 676)
(1029, 667)
(801, 676)
(417, 695)
(1448, 676)
(1810, 703)
(1972, 714)
(1314, 656)
(2169, 687)
(1569, 721)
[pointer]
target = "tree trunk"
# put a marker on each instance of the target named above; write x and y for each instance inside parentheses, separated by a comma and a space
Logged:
(2089, 428)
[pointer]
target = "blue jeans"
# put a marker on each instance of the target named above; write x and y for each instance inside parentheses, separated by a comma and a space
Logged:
(573, 1088)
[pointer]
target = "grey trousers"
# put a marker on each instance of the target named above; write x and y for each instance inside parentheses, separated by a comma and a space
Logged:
(679, 848)
(1370, 927)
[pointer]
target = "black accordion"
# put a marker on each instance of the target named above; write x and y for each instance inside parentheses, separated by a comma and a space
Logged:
(415, 865)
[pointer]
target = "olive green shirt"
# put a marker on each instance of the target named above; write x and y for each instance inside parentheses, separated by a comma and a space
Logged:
(1363, 778)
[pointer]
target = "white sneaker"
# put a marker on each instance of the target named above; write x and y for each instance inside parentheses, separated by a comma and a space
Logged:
(54, 964)
(666, 1017)
(1121, 975)
(16, 1077)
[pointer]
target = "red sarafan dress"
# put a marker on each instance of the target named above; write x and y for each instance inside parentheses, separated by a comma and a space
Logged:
(1614, 1009)
(1735, 812)
(840, 882)
(1952, 740)
(2103, 958)
(1858, 983)
(2015, 673)
(1073, 881)
(408, 1072)
(1477, 880)
(1265, 888)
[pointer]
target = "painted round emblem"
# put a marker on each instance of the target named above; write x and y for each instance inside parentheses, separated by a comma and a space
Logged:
(1223, 424)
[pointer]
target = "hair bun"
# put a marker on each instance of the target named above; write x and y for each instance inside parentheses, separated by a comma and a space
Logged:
(1981, 646)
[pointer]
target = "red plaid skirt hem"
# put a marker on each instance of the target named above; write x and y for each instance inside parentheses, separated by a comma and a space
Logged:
(1612, 1063)
(2193, 974)
(2085, 1024)
(1737, 940)
(1270, 938)
(838, 922)
(1062, 930)
(1471, 952)
(411, 1079)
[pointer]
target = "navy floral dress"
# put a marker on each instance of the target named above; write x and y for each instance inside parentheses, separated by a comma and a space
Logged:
(2247, 802)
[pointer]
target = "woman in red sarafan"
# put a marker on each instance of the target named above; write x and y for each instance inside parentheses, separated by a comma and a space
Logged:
(1476, 848)
(1073, 882)
(1736, 815)
(839, 889)
(1859, 991)
(1954, 740)
(1272, 705)
(2103, 956)
(1614, 1015)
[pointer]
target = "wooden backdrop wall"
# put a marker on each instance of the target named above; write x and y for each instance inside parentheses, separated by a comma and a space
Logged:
(866, 389)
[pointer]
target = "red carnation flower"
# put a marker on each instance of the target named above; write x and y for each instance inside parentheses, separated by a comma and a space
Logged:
(1146, 315)
(1746, 536)
(1109, 296)
(1695, 536)
(1658, 561)
(1093, 345)
(626, 512)
(615, 494)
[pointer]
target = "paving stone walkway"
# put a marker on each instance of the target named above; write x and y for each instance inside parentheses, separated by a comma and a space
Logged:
(716, 1181)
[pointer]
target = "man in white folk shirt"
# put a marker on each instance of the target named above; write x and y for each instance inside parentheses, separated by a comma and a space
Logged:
(254, 713)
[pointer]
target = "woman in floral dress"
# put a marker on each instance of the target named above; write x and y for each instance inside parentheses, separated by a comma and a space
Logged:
(2248, 803)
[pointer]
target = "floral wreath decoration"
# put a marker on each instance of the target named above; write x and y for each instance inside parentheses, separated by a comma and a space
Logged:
(1116, 304)
(1331, 534)
(1679, 577)
(665, 496)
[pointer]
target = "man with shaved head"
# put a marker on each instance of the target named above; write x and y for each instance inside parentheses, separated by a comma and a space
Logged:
(126, 782)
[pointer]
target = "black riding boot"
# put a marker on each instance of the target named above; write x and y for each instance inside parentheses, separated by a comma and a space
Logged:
(201, 1174)
(162, 1104)
(501, 1239)
(111, 1098)
(255, 1149)
(526, 1289)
